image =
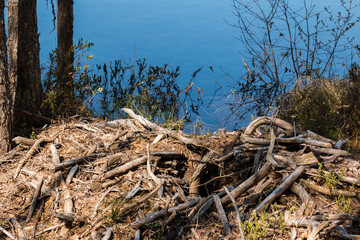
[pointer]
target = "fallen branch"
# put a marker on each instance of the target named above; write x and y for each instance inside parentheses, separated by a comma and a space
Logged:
(222, 214)
(70, 163)
(33, 149)
(35, 198)
(154, 216)
(126, 167)
(278, 191)
(248, 183)
(238, 219)
(288, 127)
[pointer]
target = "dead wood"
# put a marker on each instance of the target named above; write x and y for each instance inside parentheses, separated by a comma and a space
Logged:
(126, 208)
(126, 167)
(178, 168)
(157, 215)
(278, 191)
(329, 151)
(35, 199)
(37, 218)
(19, 229)
(238, 219)
(222, 214)
(71, 174)
(7, 233)
(150, 125)
(33, 149)
(69, 163)
(23, 140)
(269, 153)
(248, 183)
(333, 192)
(196, 176)
(287, 127)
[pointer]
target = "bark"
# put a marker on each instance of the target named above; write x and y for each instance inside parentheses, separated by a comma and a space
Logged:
(25, 76)
(65, 31)
(5, 103)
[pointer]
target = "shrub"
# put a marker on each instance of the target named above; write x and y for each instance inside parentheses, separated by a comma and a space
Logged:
(329, 107)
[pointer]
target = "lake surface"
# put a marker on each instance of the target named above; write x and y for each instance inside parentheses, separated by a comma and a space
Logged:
(185, 33)
(189, 34)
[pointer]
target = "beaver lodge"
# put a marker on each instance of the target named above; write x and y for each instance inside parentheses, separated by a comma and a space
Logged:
(132, 179)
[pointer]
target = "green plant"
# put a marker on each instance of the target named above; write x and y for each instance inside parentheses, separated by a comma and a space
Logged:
(152, 91)
(257, 226)
(113, 215)
(344, 204)
(330, 179)
(33, 135)
(59, 100)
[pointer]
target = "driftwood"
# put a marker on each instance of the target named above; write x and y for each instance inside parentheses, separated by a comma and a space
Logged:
(7, 233)
(37, 218)
(196, 176)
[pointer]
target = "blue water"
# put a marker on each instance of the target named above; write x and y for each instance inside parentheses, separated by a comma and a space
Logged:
(185, 33)
(189, 34)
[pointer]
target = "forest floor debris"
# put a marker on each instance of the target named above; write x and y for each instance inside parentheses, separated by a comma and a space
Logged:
(130, 178)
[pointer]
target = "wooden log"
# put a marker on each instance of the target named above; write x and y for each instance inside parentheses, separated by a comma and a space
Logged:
(332, 217)
(222, 214)
(207, 205)
(125, 167)
(288, 127)
(316, 136)
(278, 191)
(247, 184)
(154, 216)
(75, 161)
(329, 151)
(295, 140)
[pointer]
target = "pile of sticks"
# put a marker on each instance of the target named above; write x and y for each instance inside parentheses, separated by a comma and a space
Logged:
(134, 178)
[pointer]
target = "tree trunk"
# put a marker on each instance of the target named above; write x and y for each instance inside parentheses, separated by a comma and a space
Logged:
(5, 99)
(65, 52)
(24, 49)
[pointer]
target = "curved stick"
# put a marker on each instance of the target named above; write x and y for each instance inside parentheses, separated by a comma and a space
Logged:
(288, 128)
